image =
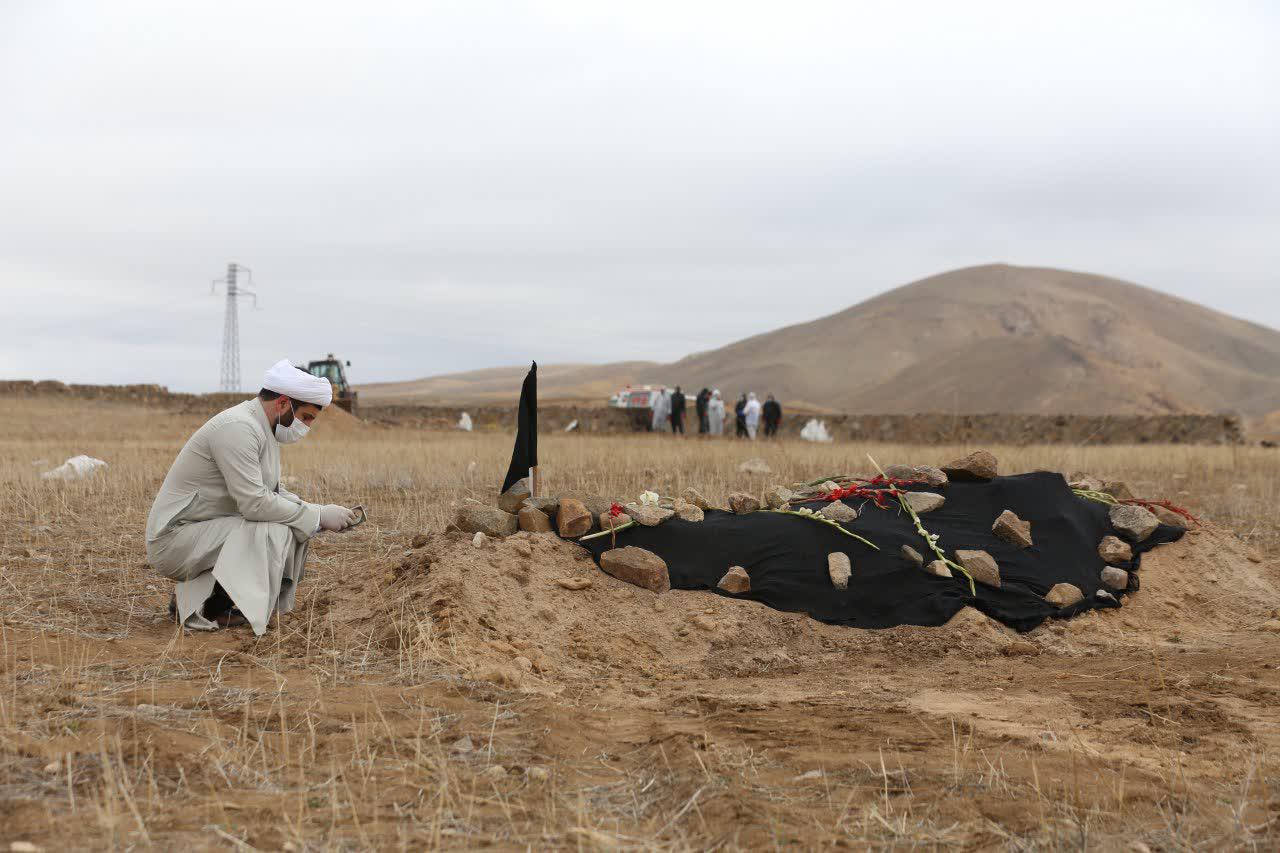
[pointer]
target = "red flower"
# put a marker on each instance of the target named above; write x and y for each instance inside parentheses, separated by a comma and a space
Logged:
(1166, 504)
(615, 510)
(879, 490)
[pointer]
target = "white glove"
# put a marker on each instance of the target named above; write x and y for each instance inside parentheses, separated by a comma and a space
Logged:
(334, 517)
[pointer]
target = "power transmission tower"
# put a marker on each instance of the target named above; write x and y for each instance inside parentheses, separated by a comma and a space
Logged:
(231, 325)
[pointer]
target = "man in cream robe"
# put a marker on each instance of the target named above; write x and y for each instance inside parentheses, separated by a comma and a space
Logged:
(222, 517)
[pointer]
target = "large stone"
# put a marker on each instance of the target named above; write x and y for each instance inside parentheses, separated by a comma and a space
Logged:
(573, 518)
(545, 503)
(637, 566)
(1064, 595)
(977, 466)
(777, 497)
(534, 520)
(648, 515)
(1117, 579)
(981, 565)
(1135, 523)
(923, 502)
(839, 511)
(912, 556)
(513, 498)
(743, 503)
(839, 569)
(939, 568)
(606, 520)
(687, 511)
(1086, 482)
(1168, 516)
(594, 503)
(695, 497)
(1119, 490)
(1113, 549)
(1012, 529)
(489, 520)
(736, 581)
(932, 477)
(755, 466)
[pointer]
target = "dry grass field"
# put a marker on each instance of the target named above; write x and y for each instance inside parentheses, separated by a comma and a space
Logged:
(454, 697)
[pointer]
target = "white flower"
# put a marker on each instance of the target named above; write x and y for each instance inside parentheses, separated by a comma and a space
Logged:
(649, 499)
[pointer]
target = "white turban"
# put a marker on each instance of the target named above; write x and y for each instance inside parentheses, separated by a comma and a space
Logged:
(284, 378)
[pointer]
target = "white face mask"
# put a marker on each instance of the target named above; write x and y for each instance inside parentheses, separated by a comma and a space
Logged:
(295, 431)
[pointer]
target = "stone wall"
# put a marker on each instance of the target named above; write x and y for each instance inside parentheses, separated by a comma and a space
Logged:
(909, 429)
(1031, 429)
(146, 395)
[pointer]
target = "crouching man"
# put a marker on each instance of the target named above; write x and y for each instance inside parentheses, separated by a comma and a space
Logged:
(223, 527)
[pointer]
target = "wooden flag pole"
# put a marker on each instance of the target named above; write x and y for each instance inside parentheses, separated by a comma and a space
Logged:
(535, 482)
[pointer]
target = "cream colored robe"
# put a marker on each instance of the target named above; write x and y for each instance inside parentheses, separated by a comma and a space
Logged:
(221, 516)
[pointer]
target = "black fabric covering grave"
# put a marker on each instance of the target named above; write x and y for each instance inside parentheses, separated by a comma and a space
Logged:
(786, 556)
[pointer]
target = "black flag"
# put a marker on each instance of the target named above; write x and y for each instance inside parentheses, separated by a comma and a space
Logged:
(525, 454)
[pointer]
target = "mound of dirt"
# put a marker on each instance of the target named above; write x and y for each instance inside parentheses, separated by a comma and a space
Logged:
(335, 420)
(534, 611)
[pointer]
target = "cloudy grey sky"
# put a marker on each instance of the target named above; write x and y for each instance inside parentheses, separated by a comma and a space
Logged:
(431, 187)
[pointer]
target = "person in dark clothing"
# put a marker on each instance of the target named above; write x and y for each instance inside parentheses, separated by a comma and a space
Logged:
(677, 411)
(772, 416)
(700, 404)
(740, 410)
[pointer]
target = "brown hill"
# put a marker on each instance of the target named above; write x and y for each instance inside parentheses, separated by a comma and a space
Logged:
(993, 338)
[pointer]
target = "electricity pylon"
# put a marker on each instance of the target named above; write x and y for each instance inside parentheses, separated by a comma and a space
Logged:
(231, 325)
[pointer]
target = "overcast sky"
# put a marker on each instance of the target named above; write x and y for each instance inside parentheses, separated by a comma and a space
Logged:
(431, 187)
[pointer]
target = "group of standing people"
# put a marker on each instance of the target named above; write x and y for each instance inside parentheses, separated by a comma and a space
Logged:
(749, 413)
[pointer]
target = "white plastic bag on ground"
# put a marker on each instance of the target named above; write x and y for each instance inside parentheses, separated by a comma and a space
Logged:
(464, 422)
(815, 430)
(75, 468)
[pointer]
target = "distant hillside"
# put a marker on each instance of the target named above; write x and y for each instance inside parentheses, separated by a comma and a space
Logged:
(993, 338)
(591, 382)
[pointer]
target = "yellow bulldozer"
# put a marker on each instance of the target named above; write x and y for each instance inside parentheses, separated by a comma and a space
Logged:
(333, 369)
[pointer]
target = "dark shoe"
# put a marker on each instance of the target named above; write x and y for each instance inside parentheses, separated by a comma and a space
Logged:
(232, 618)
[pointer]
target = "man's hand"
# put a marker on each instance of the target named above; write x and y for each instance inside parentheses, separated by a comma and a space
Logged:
(335, 518)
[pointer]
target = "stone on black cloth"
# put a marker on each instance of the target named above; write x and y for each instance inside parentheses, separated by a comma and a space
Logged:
(788, 556)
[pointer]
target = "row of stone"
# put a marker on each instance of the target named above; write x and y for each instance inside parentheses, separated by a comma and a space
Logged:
(575, 514)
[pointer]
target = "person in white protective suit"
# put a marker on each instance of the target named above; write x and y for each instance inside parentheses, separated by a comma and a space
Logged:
(661, 410)
(752, 413)
(715, 413)
(223, 527)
